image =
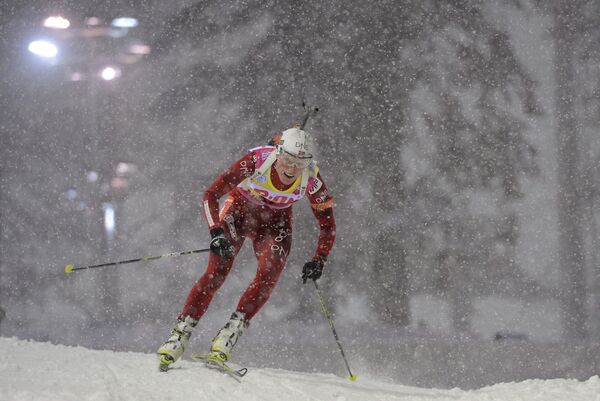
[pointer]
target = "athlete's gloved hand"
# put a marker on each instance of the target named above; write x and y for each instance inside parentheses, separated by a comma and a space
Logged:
(313, 269)
(219, 243)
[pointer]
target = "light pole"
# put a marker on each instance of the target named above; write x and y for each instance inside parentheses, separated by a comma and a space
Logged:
(92, 56)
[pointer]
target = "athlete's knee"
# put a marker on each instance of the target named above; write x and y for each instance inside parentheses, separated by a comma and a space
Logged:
(217, 279)
(214, 276)
(266, 279)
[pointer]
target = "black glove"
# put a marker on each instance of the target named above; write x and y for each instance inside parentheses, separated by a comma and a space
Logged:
(219, 244)
(313, 269)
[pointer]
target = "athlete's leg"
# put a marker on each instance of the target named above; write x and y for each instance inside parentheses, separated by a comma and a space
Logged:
(218, 268)
(271, 247)
(195, 305)
(203, 291)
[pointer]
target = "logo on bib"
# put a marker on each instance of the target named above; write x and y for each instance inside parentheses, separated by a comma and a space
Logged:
(317, 184)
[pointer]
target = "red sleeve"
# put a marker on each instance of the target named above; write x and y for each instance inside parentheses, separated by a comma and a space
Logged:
(223, 184)
(321, 203)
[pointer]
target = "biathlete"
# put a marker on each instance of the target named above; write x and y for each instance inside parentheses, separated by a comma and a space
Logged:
(261, 188)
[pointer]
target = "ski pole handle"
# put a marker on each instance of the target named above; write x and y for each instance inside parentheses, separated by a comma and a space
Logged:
(70, 268)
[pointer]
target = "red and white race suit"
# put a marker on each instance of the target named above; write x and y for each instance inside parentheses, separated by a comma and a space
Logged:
(258, 208)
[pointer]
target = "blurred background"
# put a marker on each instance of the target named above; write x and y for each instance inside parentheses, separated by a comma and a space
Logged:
(459, 139)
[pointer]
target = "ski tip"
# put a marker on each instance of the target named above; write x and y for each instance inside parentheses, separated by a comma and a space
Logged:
(353, 377)
(68, 269)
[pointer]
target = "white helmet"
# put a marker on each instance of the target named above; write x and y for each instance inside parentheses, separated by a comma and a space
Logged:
(297, 143)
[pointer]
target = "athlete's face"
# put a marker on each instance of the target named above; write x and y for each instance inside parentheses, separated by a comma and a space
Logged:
(289, 167)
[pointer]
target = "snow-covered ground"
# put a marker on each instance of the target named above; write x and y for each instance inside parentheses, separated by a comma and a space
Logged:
(42, 371)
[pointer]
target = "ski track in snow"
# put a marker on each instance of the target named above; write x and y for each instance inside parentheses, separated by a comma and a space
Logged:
(42, 371)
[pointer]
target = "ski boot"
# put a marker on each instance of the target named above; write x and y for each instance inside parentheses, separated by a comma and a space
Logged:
(227, 337)
(173, 348)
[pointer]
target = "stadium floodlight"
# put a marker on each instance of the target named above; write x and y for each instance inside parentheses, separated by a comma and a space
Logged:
(124, 22)
(43, 48)
(110, 73)
(57, 22)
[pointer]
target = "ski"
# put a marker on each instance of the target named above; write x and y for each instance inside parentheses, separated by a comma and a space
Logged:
(213, 362)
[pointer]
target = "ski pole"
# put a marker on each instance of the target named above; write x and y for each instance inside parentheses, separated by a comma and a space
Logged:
(70, 268)
(352, 376)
